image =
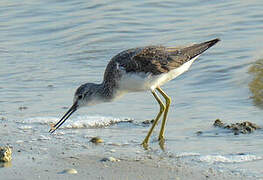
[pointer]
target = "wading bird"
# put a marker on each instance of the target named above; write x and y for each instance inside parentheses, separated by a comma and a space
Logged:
(139, 69)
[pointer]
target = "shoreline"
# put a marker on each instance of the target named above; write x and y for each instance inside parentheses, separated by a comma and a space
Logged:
(90, 166)
(48, 157)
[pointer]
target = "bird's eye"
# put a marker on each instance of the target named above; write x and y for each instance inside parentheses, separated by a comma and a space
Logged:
(80, 97)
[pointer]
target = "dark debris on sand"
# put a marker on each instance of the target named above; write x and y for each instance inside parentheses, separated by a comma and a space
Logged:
(245, 127)
(146, 122)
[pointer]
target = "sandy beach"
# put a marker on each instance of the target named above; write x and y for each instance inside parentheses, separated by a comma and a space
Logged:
(54, 165)
(63, 155)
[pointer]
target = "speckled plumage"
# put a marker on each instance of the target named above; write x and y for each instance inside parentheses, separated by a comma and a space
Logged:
(138, 69)
(153, 60)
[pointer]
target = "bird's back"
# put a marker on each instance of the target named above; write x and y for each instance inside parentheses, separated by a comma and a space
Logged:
(153, 60)
(138, 69)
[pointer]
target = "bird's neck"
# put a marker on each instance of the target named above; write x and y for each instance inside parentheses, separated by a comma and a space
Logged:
(105, 92)
(108, 91)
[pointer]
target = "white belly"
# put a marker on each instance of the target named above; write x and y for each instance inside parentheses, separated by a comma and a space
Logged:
(133, 82)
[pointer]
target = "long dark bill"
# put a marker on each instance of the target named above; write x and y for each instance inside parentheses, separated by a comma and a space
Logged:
(64, 118)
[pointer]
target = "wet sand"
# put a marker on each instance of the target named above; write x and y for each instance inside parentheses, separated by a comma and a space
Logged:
(91, 166)
(43, 156)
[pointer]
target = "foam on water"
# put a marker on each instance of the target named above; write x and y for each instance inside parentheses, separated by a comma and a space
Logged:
(231, 158)
(79, 121)
(187, 154)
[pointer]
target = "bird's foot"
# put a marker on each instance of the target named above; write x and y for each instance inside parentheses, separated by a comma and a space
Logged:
(145, 145)
(162, 143)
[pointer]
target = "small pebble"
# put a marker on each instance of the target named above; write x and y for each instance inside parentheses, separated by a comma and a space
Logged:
(22, 108)
(112, 150)
(111, 159)
(96, 140)
(198, 133)
(70, 171)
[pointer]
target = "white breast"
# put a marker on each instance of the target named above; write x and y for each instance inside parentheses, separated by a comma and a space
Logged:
(132, 82)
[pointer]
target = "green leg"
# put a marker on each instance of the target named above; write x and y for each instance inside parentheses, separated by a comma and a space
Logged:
(168, 102)
(162, 109)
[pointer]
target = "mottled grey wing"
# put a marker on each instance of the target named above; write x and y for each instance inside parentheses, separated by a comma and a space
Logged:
(153, 59)
(158, 59)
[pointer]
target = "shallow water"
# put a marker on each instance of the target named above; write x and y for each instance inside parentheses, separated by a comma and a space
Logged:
(49, 48)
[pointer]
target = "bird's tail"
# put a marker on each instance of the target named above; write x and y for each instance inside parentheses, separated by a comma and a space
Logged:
(197, 49)
(181, 55)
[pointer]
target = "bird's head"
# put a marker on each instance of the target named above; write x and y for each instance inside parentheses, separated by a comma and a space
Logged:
(86, 95)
